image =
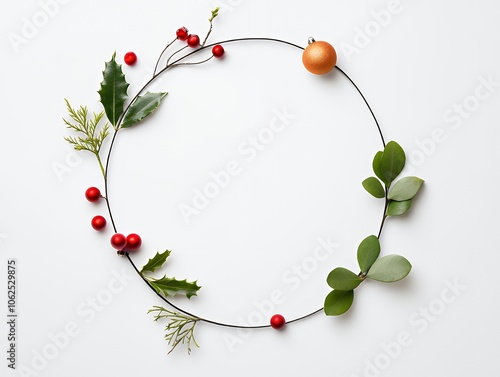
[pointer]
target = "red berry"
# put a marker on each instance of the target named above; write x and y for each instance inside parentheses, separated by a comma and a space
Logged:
(118, 241)
(277, 321)
(93, 194)
(134, 242)
(130, 58)
(193, 40)
(98, 223)
(218, 51)
(182, 34)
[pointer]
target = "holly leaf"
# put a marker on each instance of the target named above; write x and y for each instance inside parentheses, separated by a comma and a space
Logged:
(405, 189)
(156, 262)
(338, 302)
(113, 90)
(368, 252)
(374, 187)
(343, 279)
(398, 208)
(392, 162)
(171, 287)
(142, 107)
(390, 268)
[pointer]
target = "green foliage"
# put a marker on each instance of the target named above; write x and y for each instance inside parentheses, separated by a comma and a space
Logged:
(398, 208)
(142, 107)
(405, 189)
(170, 287)
(93, 135)
(342, 279)
(374, 187)
(390, 268)
(368, 252)
(392, 162)
(156, 262)
(387, 165)
(113, 90)
(180, 328)
(338, 302)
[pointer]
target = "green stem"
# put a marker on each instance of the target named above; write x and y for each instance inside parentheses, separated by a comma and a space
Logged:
(101, 165)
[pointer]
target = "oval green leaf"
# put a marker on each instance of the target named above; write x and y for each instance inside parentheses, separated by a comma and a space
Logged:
(343, 279)
(338, 302)
(368, 252)
(398, 208)
(374, 187)
(376, 165)
(392, 162)
(405, 189)
(141, 108)
(389, 269)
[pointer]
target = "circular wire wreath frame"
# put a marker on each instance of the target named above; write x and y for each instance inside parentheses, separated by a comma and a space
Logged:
(158, 74)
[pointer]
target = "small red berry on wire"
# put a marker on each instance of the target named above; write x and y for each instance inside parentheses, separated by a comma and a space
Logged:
(182, 34)
(98, 223)
(277, 321)
(218, 51)
(118, 241)
(130, 58)
(193, 40)
(134, 242)
(93, 194)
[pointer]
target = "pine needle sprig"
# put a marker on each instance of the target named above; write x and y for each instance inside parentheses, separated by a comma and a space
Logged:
(179, 330)
(82, 123)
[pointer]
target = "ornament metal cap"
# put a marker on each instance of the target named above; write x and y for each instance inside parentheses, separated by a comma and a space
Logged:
(310, 40)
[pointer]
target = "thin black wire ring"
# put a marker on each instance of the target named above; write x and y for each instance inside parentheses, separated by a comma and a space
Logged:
(171, 65)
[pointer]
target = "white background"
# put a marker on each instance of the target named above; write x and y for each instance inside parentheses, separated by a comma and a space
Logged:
(416, 67)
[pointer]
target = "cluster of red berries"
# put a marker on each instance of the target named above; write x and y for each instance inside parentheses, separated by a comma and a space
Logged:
(121, 243)
(182, 34)
(193, 41)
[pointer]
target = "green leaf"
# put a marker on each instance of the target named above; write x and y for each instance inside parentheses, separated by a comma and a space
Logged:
(405, 189)
(343, 279)
(338, 302)
(392, 162)
(368, 252)
(390, 268)
(376, 164)
(374, 187)
(156, 262)
(113, 90)
(141, 108)
(171, 287)
(398, 208)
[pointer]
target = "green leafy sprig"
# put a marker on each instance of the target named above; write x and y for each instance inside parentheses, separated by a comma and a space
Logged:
(94, 134)
(180, 328)
(387, 165)
(168, 287)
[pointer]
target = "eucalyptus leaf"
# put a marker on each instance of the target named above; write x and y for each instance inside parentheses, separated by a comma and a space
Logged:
(113, 91)
(398, 208)
(390, 268)
(376, 165)
(338, 302)
(405, 189)
(392, 162)
(374, 187)
(142, 107)
(343, 279)
(368, 252)
(156, 262)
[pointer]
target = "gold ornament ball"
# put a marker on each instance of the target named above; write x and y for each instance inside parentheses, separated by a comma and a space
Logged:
(319, 57)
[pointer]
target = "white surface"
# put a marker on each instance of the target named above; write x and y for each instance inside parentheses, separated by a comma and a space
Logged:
(305, 185)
